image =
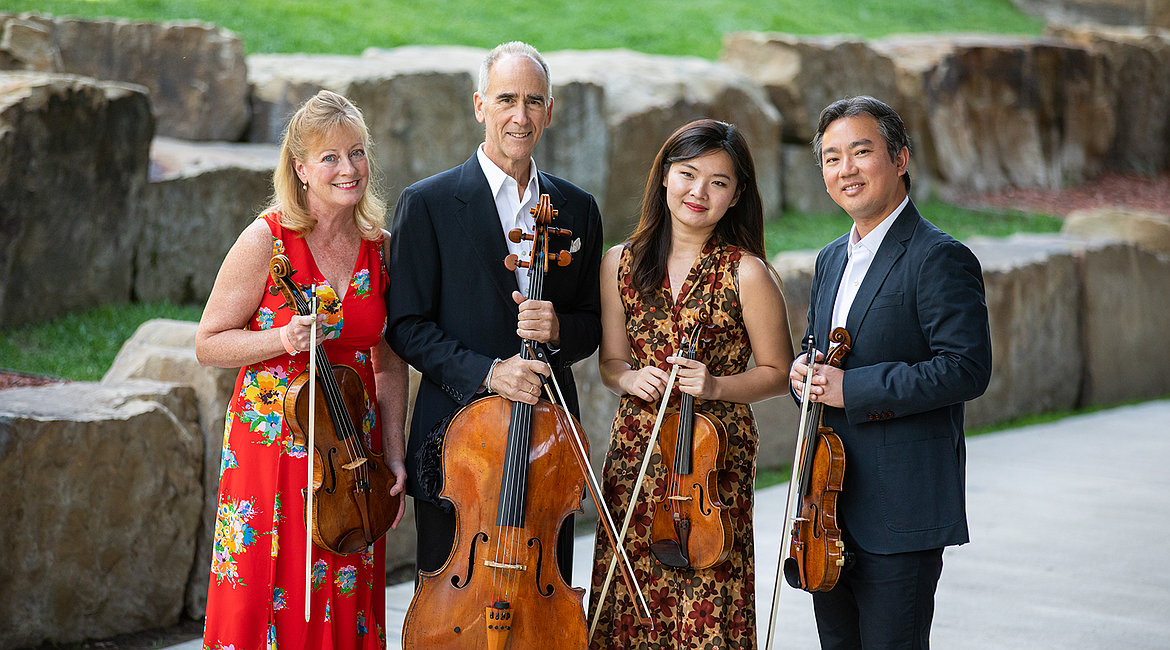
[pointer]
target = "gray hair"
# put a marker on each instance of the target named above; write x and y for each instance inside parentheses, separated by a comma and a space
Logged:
(514, 47)
(890, 125)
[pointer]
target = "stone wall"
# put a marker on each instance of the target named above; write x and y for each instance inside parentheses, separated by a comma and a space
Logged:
(100, 498)
(1133, 13)
(73, 162)
(194, 71)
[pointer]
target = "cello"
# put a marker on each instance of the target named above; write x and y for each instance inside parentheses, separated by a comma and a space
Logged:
(690, 527)
(351, 502)
(812, 553)
(501, 587)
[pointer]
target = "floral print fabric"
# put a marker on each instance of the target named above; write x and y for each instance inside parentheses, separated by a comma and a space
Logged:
(257, 592)
(692, 609)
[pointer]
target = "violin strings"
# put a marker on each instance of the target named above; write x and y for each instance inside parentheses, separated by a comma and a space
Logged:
(335, 403)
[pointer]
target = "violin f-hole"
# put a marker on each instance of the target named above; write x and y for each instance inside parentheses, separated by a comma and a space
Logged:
(332, 472)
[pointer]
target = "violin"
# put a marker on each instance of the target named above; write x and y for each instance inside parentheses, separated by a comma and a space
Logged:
(501, 584)
(812, 553)
(816, 552)
(690, 526)
(351, 502)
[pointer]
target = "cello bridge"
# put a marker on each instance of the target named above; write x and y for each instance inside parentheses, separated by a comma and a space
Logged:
(500, 565)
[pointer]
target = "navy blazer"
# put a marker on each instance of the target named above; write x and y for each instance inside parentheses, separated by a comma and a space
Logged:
(449, 307)
(921, 348)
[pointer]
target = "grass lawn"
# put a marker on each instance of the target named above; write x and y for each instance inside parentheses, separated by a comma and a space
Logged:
(680, 27)
(82, 345)
(796, 231)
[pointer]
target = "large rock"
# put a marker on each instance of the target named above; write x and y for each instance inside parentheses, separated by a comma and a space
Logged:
(644, 98)
(194, 70)
(1006, 111)
(164, 350)
(1146, 230)
(1033, 307)
(73, 168)
(1139, 60)
(1125, 317)
(804, 185)
(416, 102)
(804, 74)
(200, 197)
(100, 498)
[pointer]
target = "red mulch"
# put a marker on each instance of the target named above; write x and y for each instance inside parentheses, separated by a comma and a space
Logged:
(1105, 191)
(13, 379)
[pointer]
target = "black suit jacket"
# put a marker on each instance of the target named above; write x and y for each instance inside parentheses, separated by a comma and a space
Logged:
(450, 309)
(921, 348)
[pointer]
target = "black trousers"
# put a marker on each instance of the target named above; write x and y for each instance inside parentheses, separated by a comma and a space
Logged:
(881, 602)
(436, 538)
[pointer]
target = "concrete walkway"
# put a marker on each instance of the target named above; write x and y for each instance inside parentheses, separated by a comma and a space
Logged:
(1070, 528)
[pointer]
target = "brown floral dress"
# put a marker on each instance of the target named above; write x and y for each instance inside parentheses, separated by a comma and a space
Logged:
(708, 608)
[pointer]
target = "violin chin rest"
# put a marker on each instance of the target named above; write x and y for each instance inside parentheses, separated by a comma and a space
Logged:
(668, 552)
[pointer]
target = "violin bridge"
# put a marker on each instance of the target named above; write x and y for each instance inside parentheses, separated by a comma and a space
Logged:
(355, 464)
(498, 617)
(678, 498)
(500, 565)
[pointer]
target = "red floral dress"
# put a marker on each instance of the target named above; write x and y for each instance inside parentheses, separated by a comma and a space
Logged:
(708, 608)
(256, 598)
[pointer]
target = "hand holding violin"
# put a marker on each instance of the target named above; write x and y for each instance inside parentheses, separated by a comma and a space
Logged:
(694, 379)
(826, 382)
(297, 330)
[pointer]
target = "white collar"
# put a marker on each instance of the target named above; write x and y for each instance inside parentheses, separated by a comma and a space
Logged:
(496, 177)
(874, 239)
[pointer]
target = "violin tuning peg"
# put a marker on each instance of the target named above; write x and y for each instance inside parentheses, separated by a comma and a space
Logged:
(511, 262)
(562, 258)
(273, 290)
(515, 235)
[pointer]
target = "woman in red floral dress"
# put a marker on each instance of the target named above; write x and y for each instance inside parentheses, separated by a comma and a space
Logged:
(698, 248)
(330, 227)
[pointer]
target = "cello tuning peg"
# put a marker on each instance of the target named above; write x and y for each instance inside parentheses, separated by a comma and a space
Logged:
(562, 258)
(517, 235)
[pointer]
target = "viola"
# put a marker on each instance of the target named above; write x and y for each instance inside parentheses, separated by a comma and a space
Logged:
(351, 502)
(501, 586)
(690, 527)
(812, 552)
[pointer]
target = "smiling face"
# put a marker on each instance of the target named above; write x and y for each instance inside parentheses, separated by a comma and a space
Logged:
(514, 110)
(336, 171)
(699, 191)
(858, 172)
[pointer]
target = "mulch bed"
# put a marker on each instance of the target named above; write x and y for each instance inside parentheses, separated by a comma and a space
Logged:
(1148, 193)
(13, 379)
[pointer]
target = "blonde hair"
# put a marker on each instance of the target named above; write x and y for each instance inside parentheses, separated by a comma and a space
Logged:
(316, 118)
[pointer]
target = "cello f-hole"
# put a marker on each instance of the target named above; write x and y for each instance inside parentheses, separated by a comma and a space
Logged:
(547, 589)
(480, 537)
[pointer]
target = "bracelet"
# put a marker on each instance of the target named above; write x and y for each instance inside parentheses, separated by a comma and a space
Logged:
(488, 384)
(288, 346)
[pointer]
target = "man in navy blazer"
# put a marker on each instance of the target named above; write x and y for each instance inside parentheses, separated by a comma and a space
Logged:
(456, 313)
(912, 299)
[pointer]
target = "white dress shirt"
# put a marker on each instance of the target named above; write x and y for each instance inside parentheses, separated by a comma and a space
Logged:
(513, 210)
(861, 253)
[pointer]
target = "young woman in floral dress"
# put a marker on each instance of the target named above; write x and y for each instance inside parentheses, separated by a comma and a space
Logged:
(698, 251)
(328, 223)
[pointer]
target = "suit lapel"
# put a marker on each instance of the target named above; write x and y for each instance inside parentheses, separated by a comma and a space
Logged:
(892, 248)
(481, 224)
(835, 259)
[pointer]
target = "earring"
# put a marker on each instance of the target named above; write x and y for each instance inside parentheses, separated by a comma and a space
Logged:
(305, 186)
